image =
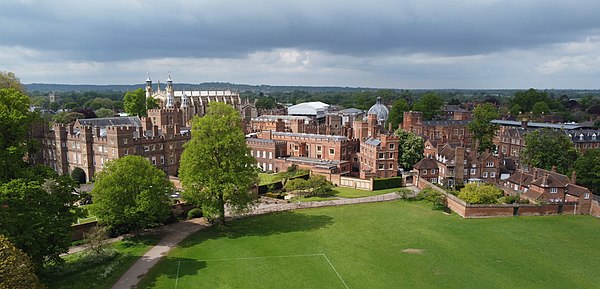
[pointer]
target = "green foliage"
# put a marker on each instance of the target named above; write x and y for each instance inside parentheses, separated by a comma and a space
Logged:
(104, 112)
(216, 166)
(545, 148)
(481, 127)
(476, 193)
(16, 269)
(151, 103)
(67, 117)
(9, 80)
(37, 216)
(387, 183)
(95, 239)
(539, 108)
(78, 175)
(410, 148)
(130, 193)
(98, 103)
(15, 121)
(397, 111)
(433, 196)
(134, 102)
(430, 104)
(526, 100)
(315, 186)
(265, 102)
(587, 168)
(295, 185)
(194, 213)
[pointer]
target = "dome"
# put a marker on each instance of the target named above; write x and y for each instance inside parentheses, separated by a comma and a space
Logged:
(380, 110)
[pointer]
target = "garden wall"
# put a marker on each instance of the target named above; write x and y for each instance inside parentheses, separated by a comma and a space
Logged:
(355, 183)
(595, 209)
(467, 210)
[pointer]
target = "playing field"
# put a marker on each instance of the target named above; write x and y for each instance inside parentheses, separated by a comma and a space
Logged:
(386, 245)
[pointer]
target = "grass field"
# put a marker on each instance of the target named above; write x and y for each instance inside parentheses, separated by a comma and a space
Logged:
(79, 273)
(386, 245)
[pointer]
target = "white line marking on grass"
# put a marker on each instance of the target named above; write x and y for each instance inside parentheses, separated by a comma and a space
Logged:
(177, 278)
(336, 272)
(261, 257)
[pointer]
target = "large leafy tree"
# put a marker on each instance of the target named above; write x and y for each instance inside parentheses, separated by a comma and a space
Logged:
(37, 216)
(482, 128)
(410, 148)
(480, 193)
(397, 112)
(134, 102)
(430, 104)
(130, 194)
(526, 99)
(10, 80)
(16, 270)
(216, 166)
(15, 120)
(587, 168)
(546, 148)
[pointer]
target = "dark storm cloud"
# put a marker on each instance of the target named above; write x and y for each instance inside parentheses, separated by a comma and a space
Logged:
(121, 30)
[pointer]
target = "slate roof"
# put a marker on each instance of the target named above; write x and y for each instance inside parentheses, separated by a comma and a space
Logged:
(310, 135)
(445, 122)
(537, 124)
(578, 136)
(132, 121)
(373, 142)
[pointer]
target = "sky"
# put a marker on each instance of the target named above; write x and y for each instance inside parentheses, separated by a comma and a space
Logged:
(377, 43)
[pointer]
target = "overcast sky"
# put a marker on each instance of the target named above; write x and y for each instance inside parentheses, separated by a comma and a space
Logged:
(376, 43)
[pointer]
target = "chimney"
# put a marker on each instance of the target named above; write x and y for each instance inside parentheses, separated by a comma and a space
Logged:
(553, 169)
(574, 177)
(524, 123)
(154, 130)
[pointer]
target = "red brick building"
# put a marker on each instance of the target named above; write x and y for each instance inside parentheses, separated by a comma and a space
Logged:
(379, 157)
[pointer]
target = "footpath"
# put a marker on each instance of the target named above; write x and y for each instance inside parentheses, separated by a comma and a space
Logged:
(175, 233)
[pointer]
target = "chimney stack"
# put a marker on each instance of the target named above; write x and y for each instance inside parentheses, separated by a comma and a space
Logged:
(574, 177)
(553, 169)
(524, 123)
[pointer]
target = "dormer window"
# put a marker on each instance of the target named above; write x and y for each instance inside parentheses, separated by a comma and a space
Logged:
(580, 136)
(594, 136)
(553, 190)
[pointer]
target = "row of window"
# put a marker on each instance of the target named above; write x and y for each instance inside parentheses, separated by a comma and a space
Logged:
(264, 154)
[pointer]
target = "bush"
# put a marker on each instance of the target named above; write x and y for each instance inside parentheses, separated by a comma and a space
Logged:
(194, 213)
(480, 194)
(387, 183)
(433, 196)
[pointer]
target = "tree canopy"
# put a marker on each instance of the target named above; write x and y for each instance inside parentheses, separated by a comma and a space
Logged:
(482, 128)
(480, 193)
(525, 100)
(134, 102)
(104, 112)
(216, 167)
(15, 121)
(10, 80)
(587, 168)
(545, 148)
(130, 194)
(16, 270)
(37, 216)
(410, 148)
(397, 112)
(430, 104)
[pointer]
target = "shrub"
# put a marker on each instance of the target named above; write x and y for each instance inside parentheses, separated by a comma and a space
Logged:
(194, 213)
(480, 194)
(387, 183)
(433, 196)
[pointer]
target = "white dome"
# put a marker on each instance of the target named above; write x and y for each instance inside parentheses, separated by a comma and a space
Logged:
(380, 110)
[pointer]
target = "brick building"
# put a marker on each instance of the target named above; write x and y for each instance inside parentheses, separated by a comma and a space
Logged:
(378, 157)
(439, 131)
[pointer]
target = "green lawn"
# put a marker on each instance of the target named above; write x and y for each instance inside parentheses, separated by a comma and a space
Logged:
(356, 193)
(75, 274)
(267, 178)
(369, 246)
(88, 217)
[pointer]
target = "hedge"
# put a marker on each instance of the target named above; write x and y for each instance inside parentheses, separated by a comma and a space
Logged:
(387, 183)
(263, 189)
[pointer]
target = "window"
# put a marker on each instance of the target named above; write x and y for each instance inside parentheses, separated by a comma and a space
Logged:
(392, 146)
(390, 155)
(381, 166)
(380, 155)
(553, 190)
(586, 196)
(424, 172)
(492, 174)
(162, 160)
(472, 171)
(489, 164)
(332, 151)
(126, 151)
(465, 172)
(78, 146)
(113, 152)
(154, 160)
(391, 166)
(171, 161)
(319, 148)
(485, 174)
(264, 154)
(270, 156)
(125, 140)
(433, 171)
(146, 148)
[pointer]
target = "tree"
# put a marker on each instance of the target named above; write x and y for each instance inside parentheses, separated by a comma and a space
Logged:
(410, 148)
(78, 175)
(9, 80)
(540, 107)
(67, 117)
(587, 168)
(151, 103)
(15, 120)
(130, 194)
(134, 102)
(397, 112)
(104, 112)
(216, 167)
(266, 102)
(546, 148)
(528, 98)
(480, 193)
(430, 104)
(16, 270)
(482, 128)
(37, 216)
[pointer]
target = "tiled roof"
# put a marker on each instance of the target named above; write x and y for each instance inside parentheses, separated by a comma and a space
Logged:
(426, 164)
(520, 177)
(548, 181)
(559, 177)
(576, 190)
(530, 194)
